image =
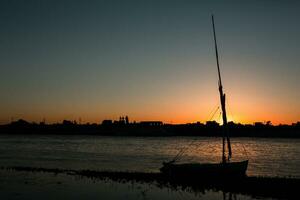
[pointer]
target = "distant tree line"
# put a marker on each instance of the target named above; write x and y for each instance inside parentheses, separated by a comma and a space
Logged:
(123, 127)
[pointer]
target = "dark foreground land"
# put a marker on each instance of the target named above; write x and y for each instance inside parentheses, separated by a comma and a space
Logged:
(211, 128)
(265, 187)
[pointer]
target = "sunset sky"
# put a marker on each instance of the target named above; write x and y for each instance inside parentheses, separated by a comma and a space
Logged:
(150, 60)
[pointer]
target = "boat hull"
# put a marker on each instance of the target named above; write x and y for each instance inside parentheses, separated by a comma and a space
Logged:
(207, 169)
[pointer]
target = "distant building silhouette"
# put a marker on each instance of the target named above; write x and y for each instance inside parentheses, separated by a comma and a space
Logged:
(67, 123)
(20, 122)
(151, 123)
(212, 124)
(258, 124)
(107, 122)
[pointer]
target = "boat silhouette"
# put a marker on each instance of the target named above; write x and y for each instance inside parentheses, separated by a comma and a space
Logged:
(226, 167)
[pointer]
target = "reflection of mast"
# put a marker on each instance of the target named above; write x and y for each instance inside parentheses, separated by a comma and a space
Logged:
(222, 99)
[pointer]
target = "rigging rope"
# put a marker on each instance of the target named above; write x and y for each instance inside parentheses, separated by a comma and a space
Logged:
(182, 151)
(245, 151)
(185, 148)
(231, 113)
(214, 113)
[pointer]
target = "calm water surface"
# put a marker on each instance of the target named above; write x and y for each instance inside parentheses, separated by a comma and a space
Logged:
(267, 157)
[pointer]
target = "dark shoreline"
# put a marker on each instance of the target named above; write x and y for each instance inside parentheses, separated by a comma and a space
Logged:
(165, 130)
(274, 187)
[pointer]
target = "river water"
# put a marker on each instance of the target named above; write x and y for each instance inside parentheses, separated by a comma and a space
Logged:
(267, 157)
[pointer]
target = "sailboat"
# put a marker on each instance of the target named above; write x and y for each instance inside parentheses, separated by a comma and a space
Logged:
(226, 167)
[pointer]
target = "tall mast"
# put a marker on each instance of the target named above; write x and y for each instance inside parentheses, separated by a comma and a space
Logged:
(222, 100)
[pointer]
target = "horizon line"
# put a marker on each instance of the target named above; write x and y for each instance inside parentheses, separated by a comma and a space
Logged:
(265, 122)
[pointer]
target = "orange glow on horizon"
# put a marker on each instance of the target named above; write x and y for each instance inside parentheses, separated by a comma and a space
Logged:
(178, 120)
(179, 104)
(172, 114)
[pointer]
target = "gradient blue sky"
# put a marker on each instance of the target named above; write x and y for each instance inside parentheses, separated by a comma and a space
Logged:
(151, 60)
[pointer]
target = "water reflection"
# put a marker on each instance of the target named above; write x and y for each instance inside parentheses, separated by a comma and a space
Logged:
(25, 185)
(248, 186)
(230, 196)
